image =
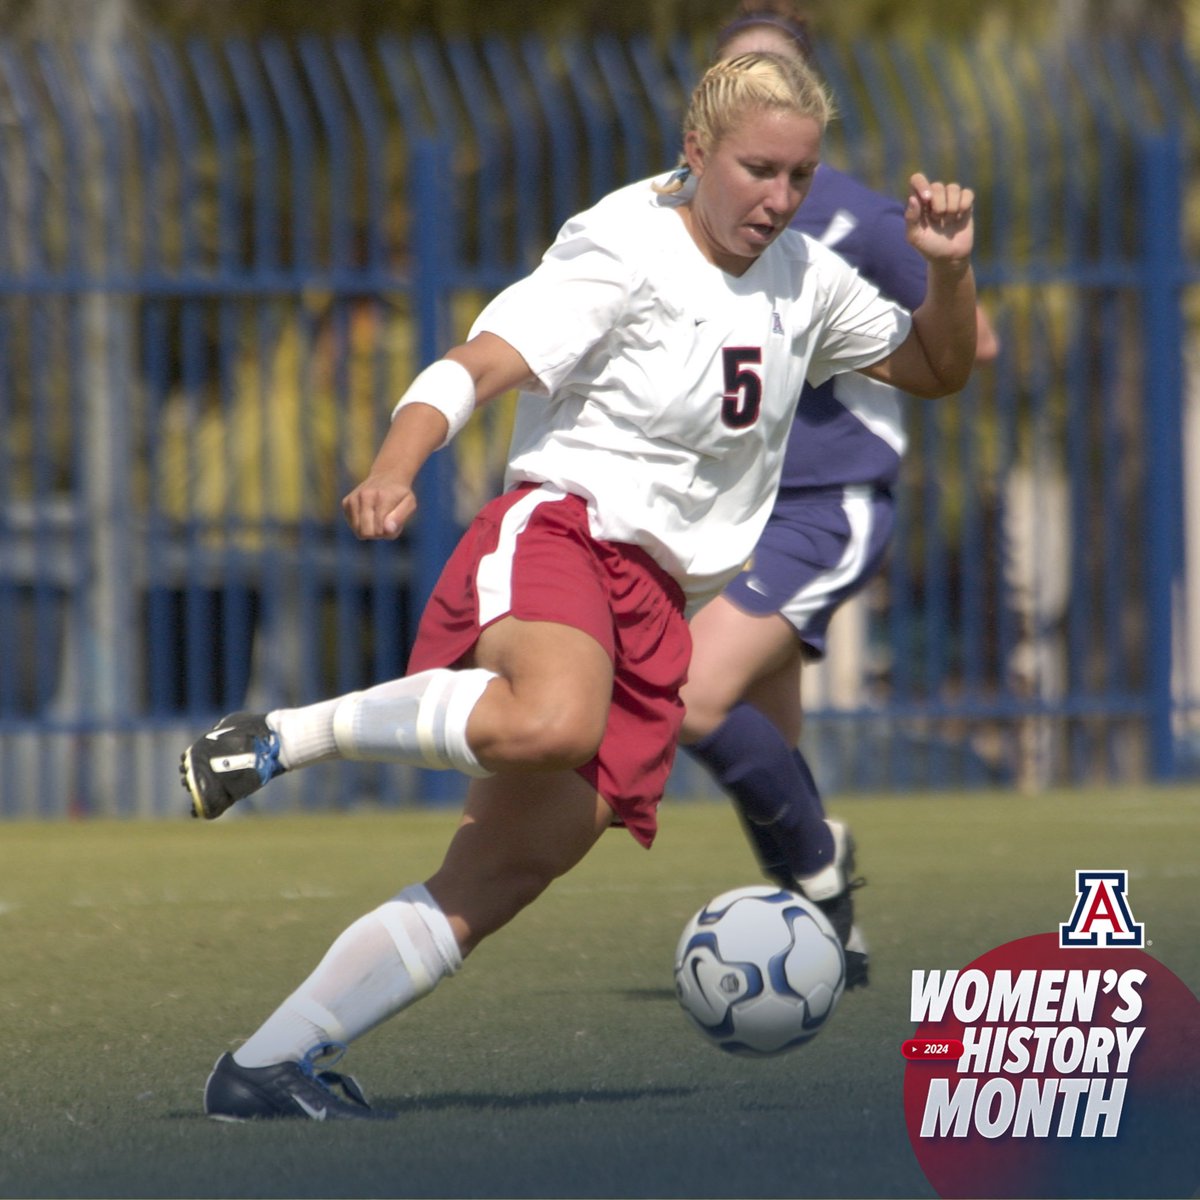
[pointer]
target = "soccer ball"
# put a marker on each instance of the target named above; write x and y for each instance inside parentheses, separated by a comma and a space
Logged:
(759, 970)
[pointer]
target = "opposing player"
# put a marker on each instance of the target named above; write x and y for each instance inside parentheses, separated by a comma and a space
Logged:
(661, 345)
(826, 537)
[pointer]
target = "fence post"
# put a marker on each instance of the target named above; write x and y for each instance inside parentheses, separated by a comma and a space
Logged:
(435, 531)
(1162, 378)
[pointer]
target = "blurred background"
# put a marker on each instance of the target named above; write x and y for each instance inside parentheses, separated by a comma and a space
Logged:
(231, 231)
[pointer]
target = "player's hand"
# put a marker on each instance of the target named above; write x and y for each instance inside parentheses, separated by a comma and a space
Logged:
(379, 508)
(940, 219)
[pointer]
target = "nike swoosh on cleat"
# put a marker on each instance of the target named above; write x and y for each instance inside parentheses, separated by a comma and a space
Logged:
(317, 1114)
(216, 733)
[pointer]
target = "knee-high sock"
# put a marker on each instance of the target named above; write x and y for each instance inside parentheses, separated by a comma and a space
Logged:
(420, 720)
(385, 961)
(773, 790)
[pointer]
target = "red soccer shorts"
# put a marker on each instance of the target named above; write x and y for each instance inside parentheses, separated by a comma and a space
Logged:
(529, 554)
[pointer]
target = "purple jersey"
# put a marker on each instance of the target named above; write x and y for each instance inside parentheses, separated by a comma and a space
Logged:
(848, 431)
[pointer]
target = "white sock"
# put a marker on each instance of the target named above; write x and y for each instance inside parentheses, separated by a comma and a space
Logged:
(381, 964)
(420, 720)
(305, 734)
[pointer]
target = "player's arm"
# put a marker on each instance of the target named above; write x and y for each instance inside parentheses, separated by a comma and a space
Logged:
(987, 342)
(427, 416)
(939, 352)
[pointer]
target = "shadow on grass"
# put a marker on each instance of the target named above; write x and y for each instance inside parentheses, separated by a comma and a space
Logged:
(648, 994)
(543, 1099)
(482, 1101)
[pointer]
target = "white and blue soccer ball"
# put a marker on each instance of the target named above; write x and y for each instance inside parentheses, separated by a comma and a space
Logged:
(759, 970)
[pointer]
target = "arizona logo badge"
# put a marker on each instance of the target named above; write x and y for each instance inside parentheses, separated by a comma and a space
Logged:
(1101, 916)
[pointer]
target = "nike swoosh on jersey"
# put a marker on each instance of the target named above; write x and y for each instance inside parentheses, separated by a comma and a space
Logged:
(216, 733)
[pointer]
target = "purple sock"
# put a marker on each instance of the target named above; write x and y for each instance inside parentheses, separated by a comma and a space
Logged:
(772, 789)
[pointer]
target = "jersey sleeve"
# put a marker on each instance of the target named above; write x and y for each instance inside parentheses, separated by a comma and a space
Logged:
(557, 313)
(861, 326)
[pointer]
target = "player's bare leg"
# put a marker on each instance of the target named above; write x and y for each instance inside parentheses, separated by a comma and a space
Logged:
(519, 832)
(732, 652)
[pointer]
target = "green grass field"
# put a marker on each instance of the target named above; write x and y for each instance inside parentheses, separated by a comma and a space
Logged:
(557, 1063)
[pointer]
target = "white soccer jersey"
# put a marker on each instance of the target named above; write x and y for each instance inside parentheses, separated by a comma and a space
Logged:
(667, 387)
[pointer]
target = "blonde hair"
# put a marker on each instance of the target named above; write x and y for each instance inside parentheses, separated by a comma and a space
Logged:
(747, 83)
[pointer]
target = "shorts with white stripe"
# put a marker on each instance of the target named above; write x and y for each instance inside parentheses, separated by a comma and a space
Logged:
(820, 546)
(530, 554)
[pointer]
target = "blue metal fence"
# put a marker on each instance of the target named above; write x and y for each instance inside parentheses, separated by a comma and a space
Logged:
(222, 262)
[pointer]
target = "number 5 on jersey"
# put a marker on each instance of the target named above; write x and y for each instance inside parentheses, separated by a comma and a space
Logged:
(743, 386)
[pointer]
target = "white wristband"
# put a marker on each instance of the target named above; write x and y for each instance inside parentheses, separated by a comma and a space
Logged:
(447, 386)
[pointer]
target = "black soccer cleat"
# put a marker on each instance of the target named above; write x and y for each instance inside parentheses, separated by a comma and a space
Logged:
(236, 757)
(286, 1090)
(857, 960)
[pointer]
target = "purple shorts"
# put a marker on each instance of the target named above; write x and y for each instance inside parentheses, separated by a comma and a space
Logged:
(820, 546)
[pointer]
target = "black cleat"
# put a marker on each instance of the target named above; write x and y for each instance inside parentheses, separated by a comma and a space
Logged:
(857, 960)
(291, 1090)
(236, 757)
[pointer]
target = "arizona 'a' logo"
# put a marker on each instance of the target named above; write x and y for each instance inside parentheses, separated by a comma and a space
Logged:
(1101, 916)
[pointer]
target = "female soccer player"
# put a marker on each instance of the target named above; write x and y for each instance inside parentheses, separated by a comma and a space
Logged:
(660, 346)
(826, 537)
